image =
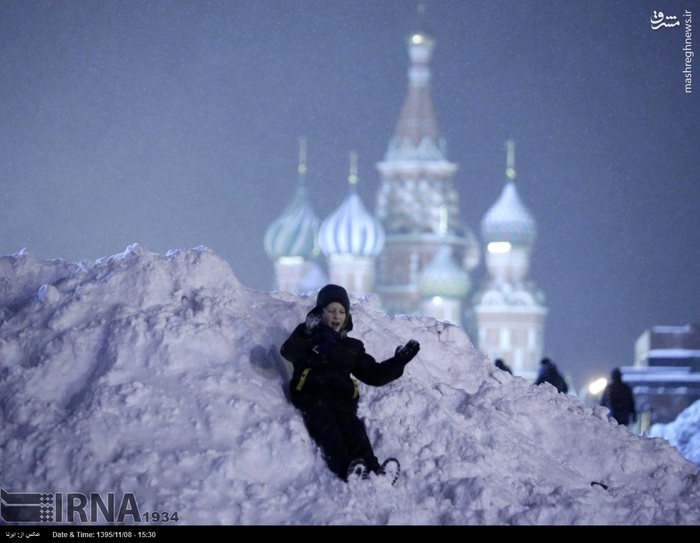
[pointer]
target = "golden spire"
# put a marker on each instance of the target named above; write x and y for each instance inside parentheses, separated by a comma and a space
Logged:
(352, 178)
(421, 36)
(510, 159)
(302, 160)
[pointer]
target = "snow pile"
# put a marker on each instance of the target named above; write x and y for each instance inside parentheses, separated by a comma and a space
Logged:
(683, 433)
(160, 375)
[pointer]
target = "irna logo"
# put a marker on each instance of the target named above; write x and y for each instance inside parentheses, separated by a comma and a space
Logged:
(70, 507)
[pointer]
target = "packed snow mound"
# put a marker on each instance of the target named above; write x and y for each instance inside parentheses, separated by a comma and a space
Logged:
(683, 433)
(160, 375)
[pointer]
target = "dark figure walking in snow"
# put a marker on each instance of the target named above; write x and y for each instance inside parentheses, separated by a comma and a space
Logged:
(550, 374)
(619, 399)
(322, 387)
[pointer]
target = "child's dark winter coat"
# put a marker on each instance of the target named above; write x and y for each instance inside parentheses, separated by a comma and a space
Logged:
(322, 385)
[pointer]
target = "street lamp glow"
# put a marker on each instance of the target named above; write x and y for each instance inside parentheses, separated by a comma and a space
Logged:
(597, 386)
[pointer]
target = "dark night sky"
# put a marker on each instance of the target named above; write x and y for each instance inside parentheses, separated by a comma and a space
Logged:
(175, 124)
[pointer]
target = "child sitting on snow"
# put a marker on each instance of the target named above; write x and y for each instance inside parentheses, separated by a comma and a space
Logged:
(324, 358)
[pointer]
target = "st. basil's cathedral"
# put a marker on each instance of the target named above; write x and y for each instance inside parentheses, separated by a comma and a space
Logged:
(414, 254)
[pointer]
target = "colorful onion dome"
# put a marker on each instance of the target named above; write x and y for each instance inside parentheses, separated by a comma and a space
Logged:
(443, 277)
(295, 232)
(509, 220)
(351, 229)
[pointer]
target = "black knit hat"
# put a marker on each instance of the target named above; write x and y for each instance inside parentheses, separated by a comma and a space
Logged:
(333, 293)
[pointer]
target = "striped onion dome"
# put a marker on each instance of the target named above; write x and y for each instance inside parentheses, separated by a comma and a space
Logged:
(443, 277)
(295, 232)
(509, 220)
(351, 229)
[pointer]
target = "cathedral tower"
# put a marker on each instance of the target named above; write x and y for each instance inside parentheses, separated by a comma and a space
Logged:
(416, 185)
(351, 238)
(509, 308)
(291, 241)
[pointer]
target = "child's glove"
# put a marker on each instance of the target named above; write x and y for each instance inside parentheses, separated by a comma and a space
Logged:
(312, 322)
(406, 352)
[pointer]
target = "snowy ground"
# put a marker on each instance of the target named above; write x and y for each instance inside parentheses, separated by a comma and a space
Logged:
(160, 376)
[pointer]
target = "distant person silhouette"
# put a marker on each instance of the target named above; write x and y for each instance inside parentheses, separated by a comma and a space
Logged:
(550, 374)
(619, 399)
(502, 365)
